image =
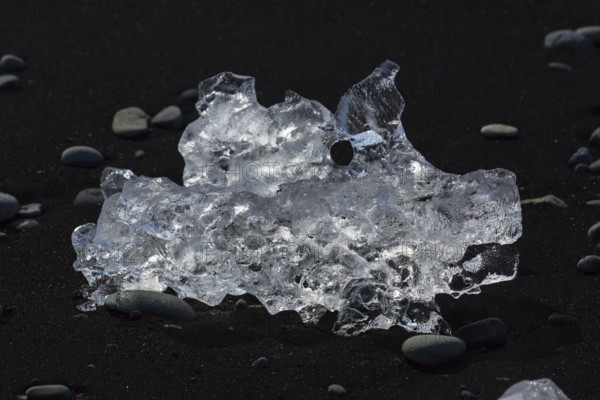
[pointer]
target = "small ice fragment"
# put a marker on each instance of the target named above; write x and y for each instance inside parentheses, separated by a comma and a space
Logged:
(541, 389)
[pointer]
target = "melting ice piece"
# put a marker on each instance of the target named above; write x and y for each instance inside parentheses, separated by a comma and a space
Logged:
(541, 389)
(265, 210)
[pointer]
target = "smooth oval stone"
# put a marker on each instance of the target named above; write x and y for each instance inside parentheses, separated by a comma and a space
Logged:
(582, 168)
(560, 66)
(23, 224)
(581, 156)
(168, 118)
(595, 138)
(30, 210)
(89, 197)
(150, 302)
(3, 236)
(562, 319)
(589, 264)
(591, 32)
(262, 362)
(499, 131)
(81, 156)
(567, 39)
(130, 123)
(337, 390)
(48, 392)
(489, 332)
(433, 349)
(10, 62)
(9, 82)
(9, 206)
(241, 304)
(594, 168)
(139, 154)
(190, 95)
(594, 232)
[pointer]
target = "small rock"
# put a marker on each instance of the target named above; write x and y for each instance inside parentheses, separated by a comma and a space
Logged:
(590, 32)
(150, 302)
(241, 304)
(582, 168)
(48, 392)
(465, 394)
(548, 199)
(594, 168)
(172, 327)
(589, 264)
(593, 202)
(595, 138)
(111, 348)
(337, 390)
(489, 332)
(168, 118)
(10, 62)
(131, 122)
(9, 82)
(583, 155)
(30, 210)
(91, 197)
(262, 362)
(23, 224)
(433, 349)
(499, 131)
(3, 235)
(567, 39)
(80, 316)
(560, 66)
(139, 154)
(81, 156)
(594, 232)
(9, 206)
(190, 95)
(562, 319)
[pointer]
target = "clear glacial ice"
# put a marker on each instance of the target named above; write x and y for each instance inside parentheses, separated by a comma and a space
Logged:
(306, 210)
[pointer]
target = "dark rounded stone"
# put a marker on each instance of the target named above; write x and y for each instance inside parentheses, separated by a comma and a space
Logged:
(489, 332)
(190, 95)
(262, 362)
(82, 156)
(9, 206)
(433, 349)
(595, 138)
(48, 392)
(594, 168)
(582, 168)
(589, 264)
(562, 319)
(146, 301)
(337, 390)
(567, 39)
(90, 197)
(581, 156)
(594, 232)
(342, 152)
(241, 304)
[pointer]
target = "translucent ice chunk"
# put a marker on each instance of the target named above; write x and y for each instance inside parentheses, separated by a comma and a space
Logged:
(541, 389)
(265, 210)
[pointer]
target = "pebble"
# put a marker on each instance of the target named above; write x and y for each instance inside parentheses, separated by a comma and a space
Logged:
(595, 138)
(465, 394)
(594, 168)
(30, 210)
(9, 206)
(262, 362)
(168, 118)
(3, 235)
(593, 202)
(9, 82)
(582, 168)
(594, 232)
(561, 66)
(241, 304)
(589, 264)
(81, 156)
(337, 390)
(489, 332)
(591, 32)
(146, 301)
(89, 197)
(548, 199)
(190, 95)
(433, 349)
(131, 122)
(139, 154)
(583, 155)
(562, 319)
(10, 62)
(48, 392)
(23, 224)
(567, 39)
(499, 131)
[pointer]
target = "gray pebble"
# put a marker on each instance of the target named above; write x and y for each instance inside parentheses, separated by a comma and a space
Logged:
(465, 394)
(10, 62)
(337, 390)
(595, 138)
(168, 118)
(567, 39)
(594, 168)
(433, 349)
(48, 392)
(594, 232)
(30, 210)
(9, 82)
(150, 302)
(9, 206)
(560, 66)
(241, 304)
(499, 131)
(589, 265)
(582, 168)
(581, 156)
(81, 156)
(139, 154)
(489, 332)
(262, 362)
(190, 95)
(89, 197)
(3, 235)
(593, 202)
(562, 319)
(591, 32)
(130, 123)
(22, 224)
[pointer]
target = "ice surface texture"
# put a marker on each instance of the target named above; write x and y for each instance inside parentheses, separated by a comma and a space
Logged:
(265, 210)
(541, 389)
